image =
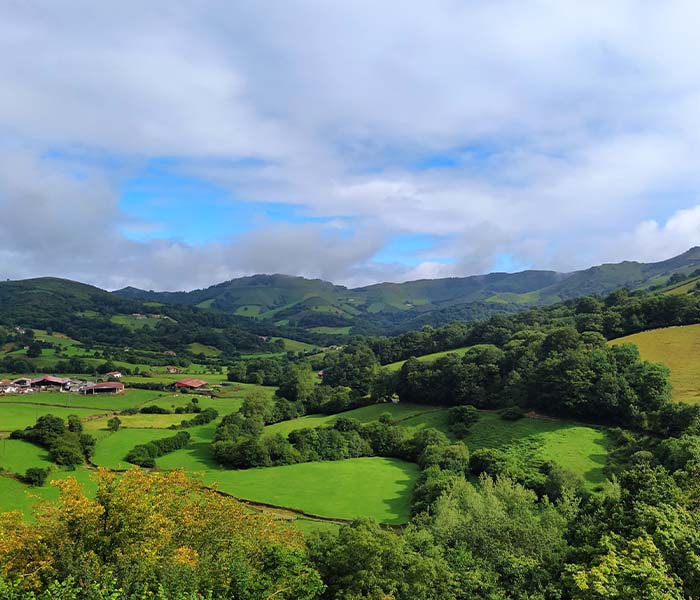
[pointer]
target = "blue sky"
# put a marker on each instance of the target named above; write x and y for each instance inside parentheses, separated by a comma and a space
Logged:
(350, 141)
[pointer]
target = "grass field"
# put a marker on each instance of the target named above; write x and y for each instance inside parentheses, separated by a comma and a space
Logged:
(111, 449)
(364, 415)
(373, 487)
(133, 322)
(16, 456)
(396, 366)
(679, 349)
(295, 345)
(332, 330)
(197, 348)
(19, 416)
(106, 402)
(530, 441)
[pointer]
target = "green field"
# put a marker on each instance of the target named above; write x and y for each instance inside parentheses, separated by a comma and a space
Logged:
(372, 487)
(113, 447)
(364, 415)
(295, 345)
(396, 366)
(19, 416)
(134, 322)
(530, 441)
(16, 456)
(332, 330)
(679, 349)
(197, 348)
(16, 496)
(105, 403)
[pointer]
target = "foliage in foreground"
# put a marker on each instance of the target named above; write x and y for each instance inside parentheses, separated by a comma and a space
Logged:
(150, 536)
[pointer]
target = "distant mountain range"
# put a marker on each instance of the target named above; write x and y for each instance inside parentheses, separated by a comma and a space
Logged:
(322, 306)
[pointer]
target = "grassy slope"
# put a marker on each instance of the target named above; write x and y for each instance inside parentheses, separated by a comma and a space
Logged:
(364, 415)
(579, 448)
(17, 456)
(679, 349)
(113, 447)
(396, 366)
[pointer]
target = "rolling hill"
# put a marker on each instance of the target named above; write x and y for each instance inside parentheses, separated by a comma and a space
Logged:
(384, 307)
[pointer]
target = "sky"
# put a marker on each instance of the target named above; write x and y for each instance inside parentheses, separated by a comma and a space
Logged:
(173, 145)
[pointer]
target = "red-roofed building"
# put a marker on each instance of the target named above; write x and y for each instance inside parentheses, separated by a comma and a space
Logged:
(50, 381)
(190, 383)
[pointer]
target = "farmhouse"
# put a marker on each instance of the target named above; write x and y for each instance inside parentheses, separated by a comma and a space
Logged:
(190, 383)
(107, 387)
(172, 370)
(115, 374)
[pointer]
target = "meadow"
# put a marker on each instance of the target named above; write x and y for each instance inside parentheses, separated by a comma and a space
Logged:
(532, 440)
(679, 349)
(396, 366)
(358, 487)
(364, 415)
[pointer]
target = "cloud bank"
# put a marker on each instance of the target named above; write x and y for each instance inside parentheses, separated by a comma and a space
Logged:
(553, 135)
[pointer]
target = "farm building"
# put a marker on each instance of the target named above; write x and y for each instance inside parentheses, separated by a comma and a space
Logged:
(115, 374)
(190, 383)
(49, 381)
(22, 382)
(172, 370)
(107, 387)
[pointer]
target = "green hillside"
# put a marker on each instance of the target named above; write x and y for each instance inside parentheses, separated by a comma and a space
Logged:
(312, 304)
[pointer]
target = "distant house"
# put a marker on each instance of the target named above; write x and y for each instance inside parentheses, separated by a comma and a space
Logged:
(115, 374)
(170, 353)
(172, 370)
(107, 387)
(190, 383)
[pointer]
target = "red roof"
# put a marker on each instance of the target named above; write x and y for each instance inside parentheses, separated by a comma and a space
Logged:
(51, 379)
(190, 382)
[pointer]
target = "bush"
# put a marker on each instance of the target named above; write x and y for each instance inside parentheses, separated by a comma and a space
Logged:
(114, 424)
(154, 409)
(144, 455)
(512, 413)
(36, 476)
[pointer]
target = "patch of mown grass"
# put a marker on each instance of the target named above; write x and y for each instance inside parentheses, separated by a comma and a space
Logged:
(111, 449)
(19, 416)
(679, 349)
(16, 456)
(358, 487)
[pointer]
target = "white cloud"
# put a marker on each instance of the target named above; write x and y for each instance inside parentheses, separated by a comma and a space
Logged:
(569, 121)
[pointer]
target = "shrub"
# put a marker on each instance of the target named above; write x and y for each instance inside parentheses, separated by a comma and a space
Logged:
(512, 413)
(36, 476)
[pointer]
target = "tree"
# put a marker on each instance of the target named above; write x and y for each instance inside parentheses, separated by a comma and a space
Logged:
(114, 423)
(34, 350)
(634, 569)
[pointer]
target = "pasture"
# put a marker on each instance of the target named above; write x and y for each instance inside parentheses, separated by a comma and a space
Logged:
(531, 441)
(396, 366)
(364, 415)
(111, 449)
(16, 456)
(18, 416)
(371, 487)
(679, 349)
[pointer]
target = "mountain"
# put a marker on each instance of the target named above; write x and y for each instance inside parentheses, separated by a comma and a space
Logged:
(313, 303)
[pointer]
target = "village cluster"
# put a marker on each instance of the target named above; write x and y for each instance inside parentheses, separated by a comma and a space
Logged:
(30, 385)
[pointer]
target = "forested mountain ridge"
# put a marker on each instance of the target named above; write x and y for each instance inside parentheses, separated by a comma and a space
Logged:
(386, 307)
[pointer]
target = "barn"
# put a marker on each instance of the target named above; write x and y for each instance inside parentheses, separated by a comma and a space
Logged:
(107, 387)
(190, 383)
